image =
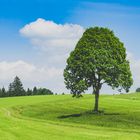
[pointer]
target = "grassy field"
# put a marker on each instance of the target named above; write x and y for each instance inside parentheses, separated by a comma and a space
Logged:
(62, 117)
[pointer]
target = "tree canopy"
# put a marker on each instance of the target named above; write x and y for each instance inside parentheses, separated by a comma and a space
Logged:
(16, 88)
(99, 57)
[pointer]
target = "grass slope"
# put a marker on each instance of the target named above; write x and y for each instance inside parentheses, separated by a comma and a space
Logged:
(62, 117)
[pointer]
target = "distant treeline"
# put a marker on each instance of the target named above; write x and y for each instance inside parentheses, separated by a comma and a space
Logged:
(16, 89)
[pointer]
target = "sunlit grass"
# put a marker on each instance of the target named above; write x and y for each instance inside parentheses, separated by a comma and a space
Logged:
(63, 117)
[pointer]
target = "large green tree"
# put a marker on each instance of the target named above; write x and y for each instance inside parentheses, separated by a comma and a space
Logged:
(99, 57)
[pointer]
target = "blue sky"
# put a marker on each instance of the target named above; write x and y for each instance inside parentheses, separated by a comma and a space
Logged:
(32, 57)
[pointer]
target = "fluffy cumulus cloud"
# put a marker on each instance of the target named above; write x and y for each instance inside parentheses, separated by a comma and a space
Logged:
(49, 36)
(29, 73)
(56, 41)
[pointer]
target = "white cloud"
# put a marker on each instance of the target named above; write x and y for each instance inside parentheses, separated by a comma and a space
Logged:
(50, 36)
(29, 73)
(56, 41)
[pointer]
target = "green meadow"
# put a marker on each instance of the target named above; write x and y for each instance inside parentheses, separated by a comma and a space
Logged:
(61, 117)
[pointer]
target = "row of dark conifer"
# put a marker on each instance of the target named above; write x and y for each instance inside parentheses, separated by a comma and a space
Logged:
(16, 89)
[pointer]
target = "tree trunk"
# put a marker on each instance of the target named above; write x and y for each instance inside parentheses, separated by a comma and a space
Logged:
(96, 100)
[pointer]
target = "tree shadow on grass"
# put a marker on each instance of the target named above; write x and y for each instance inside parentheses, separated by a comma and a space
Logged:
(100, 113)
(68, 116)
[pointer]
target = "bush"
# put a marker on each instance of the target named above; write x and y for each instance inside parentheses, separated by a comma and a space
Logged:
(138, 90)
